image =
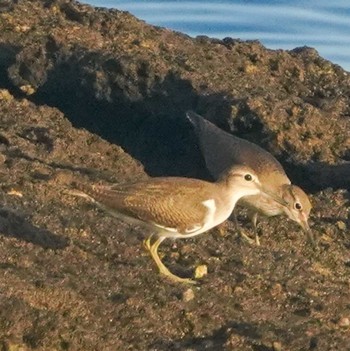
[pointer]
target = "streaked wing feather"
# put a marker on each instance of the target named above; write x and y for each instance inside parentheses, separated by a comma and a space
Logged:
(174, 205)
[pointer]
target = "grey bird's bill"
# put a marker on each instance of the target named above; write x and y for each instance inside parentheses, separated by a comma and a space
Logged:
(309, 234)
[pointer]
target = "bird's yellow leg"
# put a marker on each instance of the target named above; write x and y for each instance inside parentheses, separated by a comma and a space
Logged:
(255, 226)
(147, 243)
(153, 249)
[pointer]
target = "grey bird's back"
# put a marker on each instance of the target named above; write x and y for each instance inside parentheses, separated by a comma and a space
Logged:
(222, 150)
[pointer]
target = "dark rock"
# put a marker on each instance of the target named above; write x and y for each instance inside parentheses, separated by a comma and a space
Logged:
(101, 96)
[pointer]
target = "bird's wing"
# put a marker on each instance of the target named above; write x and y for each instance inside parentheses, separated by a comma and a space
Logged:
(177, 205)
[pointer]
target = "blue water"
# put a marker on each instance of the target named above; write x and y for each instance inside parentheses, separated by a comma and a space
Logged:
(322, 24)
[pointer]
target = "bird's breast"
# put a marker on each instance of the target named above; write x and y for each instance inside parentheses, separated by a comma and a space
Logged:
(263, 204)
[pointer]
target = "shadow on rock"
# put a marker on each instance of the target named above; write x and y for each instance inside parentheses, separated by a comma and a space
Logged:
(323, 175)
(14, 225)
(218, 339)
(7, 58)
(149, 128)
(120, 99)
(125, 102)
(93, 174)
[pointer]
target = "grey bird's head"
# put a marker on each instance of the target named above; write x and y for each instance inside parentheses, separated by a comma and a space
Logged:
(298, 205)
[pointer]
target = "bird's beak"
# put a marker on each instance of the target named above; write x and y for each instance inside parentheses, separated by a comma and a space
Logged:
(273, 196)
(305, 225)
(306, 228)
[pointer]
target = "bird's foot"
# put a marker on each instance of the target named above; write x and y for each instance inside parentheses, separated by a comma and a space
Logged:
(249, 240)
(147, 243)
(176, 278)
(152, 248)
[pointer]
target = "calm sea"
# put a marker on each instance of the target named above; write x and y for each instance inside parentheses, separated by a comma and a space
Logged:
(322, 24)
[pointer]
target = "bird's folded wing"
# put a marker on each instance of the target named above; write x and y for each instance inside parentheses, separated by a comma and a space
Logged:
(179, 208)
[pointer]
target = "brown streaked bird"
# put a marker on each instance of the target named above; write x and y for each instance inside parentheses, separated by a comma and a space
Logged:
(222, 150)
(174, 207)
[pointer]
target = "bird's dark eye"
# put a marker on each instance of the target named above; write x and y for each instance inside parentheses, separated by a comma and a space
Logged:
(248, 177)
(298, 206)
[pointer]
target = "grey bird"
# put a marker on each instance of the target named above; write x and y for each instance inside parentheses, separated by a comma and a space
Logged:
(175, 207)
(221, 150)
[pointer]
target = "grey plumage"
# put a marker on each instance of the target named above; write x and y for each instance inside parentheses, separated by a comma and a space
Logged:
(221, 150)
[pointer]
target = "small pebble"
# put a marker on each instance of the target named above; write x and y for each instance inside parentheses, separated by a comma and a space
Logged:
(341, 225)
(14, 192)
(276, 289)
(326, 238)
(312, 292)
(201, 271)
(344, 322)
(5, 95)
(28, 89)
(188, 295)
(318, 268)
(277, 346)
(2, 159)
(238, 290)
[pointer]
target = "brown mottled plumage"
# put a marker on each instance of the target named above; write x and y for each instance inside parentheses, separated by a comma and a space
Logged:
(222, 150)
(175, 207)
(160, 201)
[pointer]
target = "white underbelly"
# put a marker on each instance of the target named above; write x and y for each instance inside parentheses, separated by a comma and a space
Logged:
(212, 220)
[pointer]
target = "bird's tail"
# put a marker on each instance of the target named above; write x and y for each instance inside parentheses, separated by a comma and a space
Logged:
(90, 192)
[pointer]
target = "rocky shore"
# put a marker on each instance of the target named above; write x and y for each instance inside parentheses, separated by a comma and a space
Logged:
(98, 95)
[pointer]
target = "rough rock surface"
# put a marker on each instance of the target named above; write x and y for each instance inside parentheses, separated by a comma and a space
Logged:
(98, 95)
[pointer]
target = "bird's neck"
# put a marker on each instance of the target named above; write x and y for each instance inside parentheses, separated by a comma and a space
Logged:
(230, 192)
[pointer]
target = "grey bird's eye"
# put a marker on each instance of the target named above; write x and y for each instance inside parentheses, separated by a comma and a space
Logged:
(298, 206)
(248, 177)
